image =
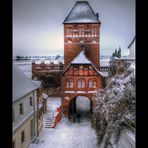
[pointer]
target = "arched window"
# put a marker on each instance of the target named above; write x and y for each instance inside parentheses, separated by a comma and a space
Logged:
(69, 83)
(81, 83)
(92, 83)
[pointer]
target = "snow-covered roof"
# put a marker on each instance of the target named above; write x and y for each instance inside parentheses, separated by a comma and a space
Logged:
(104, 73)
(38, 83)
(104, 62)
(81, 59)
(22, 85)
(81, 13)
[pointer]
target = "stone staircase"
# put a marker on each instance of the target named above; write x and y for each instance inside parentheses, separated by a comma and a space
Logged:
(49, 120)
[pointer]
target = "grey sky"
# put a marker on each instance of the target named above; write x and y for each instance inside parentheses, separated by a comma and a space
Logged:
(38, 28)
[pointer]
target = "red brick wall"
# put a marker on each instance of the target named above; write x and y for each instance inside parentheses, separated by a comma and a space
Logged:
(71, 50)
(59, 116)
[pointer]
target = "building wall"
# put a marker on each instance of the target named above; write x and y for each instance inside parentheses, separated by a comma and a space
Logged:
(26, 126)
(27, 108)
(74, 91)
(40, 111)
(77, 36)
(23, 121)
(132, 50)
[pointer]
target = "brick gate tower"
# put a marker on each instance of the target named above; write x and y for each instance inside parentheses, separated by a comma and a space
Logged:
(82, 31)
(81, 76)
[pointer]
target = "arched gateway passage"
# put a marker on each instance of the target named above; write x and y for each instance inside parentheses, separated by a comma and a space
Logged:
(80, 105)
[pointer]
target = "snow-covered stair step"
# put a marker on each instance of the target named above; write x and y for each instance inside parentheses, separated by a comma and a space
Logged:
(49, 120)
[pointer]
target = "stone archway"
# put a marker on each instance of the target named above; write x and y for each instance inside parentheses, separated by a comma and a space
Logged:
(82, 105)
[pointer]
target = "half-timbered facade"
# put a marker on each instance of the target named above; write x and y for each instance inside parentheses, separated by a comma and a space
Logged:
(80, 78)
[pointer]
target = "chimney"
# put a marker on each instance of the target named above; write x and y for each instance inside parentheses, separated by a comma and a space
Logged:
(97, 14)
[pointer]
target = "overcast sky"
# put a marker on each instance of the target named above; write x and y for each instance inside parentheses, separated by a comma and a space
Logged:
(38, 25)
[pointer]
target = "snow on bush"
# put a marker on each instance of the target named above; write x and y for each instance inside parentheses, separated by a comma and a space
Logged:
(115, 105)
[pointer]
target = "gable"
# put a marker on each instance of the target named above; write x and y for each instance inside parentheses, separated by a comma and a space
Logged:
(81, 70)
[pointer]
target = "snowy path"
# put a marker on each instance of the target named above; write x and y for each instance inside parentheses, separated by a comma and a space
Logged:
(68, 135)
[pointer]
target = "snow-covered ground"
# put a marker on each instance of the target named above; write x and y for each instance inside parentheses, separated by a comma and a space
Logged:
(53, 103)
(68, 135)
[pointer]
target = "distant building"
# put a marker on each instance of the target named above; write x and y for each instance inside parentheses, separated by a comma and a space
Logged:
(24, 109)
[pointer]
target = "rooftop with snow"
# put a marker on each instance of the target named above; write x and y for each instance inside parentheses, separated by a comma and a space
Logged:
(22, 85)
(81, 13)
(81, 59)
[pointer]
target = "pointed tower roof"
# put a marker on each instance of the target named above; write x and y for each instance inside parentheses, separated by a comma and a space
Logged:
(81, 59)
(81, 13)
